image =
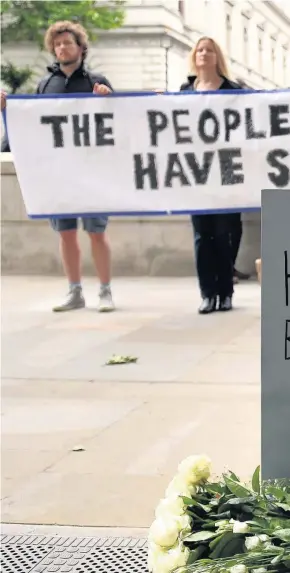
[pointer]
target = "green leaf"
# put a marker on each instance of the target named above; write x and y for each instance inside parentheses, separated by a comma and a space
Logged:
(234, 477)
(277, 559)
(259, 522)
(196, 554)
(276, 523)
(256, 482)
(193, 503)
(201, 536)
(221, 516)
(237, 489)
(233, 547)
(275, 492)
(215, 541)
(187, 500)
(284, 506)
(214, 488)
(283, 534)
(226, 538)
(27, 20)
(241, 500)
(15, 78)
(121, 360)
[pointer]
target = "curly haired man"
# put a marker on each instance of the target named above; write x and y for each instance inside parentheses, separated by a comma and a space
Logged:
(68, 43)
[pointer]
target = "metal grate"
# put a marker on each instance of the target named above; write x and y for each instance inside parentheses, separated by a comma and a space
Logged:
(21, 558)
(45, 554)
(119, 560)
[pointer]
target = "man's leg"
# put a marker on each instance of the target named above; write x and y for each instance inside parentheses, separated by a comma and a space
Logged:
(71, 260)
(101, 254)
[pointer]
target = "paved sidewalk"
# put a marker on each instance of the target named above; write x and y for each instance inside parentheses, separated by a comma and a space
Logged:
(195, 388)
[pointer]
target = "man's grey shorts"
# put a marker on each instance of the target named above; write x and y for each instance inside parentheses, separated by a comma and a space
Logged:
(90, 224)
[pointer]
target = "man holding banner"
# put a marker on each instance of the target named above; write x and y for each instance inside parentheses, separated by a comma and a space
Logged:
(68, 43)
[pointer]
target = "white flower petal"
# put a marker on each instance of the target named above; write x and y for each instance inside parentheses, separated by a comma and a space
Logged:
(240, 527)
(194, 469)
(178, 486)
(164, 532)
(239, 569)
(171, 506)
(252, 543)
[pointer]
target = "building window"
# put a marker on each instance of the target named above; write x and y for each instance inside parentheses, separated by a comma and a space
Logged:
(181, 7)
(273, 56)
(284, 64)
(246, 47)
(229, 31)
(260, 49)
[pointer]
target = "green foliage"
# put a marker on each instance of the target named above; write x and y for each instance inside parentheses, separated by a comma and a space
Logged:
(15, 78)
(220, 538)
(27, 20)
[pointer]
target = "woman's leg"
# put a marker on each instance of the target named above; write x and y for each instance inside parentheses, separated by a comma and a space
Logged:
(205, 261)
(224, 261)
(236, 231)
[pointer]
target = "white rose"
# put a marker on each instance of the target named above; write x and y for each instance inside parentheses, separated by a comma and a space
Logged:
(195, 469)
(259, 570)
(178, 486)
(170, 506)
(240, 527)
(164, 531)
(154, 552)
(167, 562)
(252, 543)
(184, 523)
(239, 569)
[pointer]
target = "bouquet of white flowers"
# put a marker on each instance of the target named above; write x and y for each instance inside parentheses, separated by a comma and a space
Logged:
(220, 527)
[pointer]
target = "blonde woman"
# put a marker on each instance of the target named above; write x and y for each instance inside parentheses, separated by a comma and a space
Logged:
(212, 233)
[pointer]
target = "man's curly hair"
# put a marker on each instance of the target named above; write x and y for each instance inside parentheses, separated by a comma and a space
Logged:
(73, 28)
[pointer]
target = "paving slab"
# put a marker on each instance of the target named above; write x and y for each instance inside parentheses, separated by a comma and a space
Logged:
(194, 389)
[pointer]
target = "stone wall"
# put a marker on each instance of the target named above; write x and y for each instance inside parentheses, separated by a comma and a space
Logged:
(154, 246)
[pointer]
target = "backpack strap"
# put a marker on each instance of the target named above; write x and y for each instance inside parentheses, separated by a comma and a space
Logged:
(98, 78)
(91, 79)
(43, 84)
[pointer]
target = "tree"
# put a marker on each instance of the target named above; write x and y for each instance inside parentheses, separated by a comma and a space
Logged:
(15, 78)
(23, 20)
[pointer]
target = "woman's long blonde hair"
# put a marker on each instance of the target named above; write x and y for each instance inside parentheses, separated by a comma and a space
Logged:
(222, 68)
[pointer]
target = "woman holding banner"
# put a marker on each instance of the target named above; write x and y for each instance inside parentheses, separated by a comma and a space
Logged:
(212, 232)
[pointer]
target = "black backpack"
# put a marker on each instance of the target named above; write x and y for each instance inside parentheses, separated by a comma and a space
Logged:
(45, 81)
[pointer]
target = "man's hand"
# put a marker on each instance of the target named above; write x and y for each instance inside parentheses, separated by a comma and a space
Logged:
(101, 89)
(3, 100)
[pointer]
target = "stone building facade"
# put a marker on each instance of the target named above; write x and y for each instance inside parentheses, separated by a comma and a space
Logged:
(151, 49)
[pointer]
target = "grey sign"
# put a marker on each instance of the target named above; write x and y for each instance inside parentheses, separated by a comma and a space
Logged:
(276, 334)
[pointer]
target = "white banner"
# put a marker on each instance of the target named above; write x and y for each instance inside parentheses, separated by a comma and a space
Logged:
(141, 153)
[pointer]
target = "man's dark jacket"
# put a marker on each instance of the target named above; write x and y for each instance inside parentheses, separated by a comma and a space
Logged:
(56, 82)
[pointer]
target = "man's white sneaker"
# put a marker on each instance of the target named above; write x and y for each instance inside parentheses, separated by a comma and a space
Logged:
(105, 300)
